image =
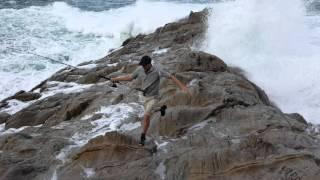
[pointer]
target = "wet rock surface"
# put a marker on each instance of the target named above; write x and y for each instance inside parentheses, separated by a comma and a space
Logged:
(24, 96)
(80, 127)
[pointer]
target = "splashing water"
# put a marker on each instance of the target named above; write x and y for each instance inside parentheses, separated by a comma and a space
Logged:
(277, 44)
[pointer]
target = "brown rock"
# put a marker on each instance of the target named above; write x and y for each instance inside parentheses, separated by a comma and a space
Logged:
(109, 156)
(90, 78)
(24, 96)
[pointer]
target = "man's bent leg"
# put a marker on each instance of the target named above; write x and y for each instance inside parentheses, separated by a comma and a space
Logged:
(149, 108)
(146, 123)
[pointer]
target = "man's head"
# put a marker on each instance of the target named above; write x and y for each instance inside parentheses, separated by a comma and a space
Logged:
(145, 62)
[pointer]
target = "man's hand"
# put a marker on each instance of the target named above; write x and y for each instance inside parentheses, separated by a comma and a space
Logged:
(121, 78)
(181, 86)
(185, 89)
(113, 80)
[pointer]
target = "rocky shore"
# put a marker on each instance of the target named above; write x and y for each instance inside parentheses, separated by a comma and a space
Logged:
(75, 125)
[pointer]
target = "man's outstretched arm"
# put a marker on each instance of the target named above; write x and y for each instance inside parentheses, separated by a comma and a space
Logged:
(123, 78)
(179, 84)
(128, 77)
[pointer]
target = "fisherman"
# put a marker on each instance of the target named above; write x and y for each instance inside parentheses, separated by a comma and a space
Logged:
(150, 87)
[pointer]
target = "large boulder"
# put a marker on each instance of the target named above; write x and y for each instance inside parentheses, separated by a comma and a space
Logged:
(113, 155)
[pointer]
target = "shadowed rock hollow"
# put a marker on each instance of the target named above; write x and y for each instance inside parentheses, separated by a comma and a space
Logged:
(79, 127)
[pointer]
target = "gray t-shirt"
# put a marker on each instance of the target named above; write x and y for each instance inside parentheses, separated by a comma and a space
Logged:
(151, 80)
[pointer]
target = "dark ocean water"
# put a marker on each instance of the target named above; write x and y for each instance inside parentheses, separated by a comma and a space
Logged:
(90, 5)
(313, 6)
(93, 5)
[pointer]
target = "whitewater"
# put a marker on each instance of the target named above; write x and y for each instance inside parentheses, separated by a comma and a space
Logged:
(276, 43)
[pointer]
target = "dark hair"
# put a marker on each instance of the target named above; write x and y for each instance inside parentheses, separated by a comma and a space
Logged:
(145, 60)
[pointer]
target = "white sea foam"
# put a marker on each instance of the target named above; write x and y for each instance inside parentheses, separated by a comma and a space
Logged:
(87, 116)
(199, 126)
(89, 172)
(15, 106)
(3, 131)
(161, 170)
(63, 155)
(11, 130)
(54, 175)
(160, 51)
(61, 125)
(130, 126)
(113, 64)
(114, 118)
(162, 145)
(277, 44)
(63, 87)
(88, 66)
(141, 17)
(2, 127)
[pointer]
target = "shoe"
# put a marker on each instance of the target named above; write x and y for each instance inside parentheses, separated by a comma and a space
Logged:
(142, 139)
(163, 110)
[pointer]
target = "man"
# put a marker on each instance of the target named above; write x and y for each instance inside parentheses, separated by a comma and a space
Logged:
(150, 88)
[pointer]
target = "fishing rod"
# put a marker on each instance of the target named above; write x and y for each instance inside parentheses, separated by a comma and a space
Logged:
(162, 109)
(59, 62)
(114, 83)
(45, 57)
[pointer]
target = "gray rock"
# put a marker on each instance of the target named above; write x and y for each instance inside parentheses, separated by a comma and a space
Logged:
(26, 155)
(3, 104)
(298, 117)
(55, 109)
